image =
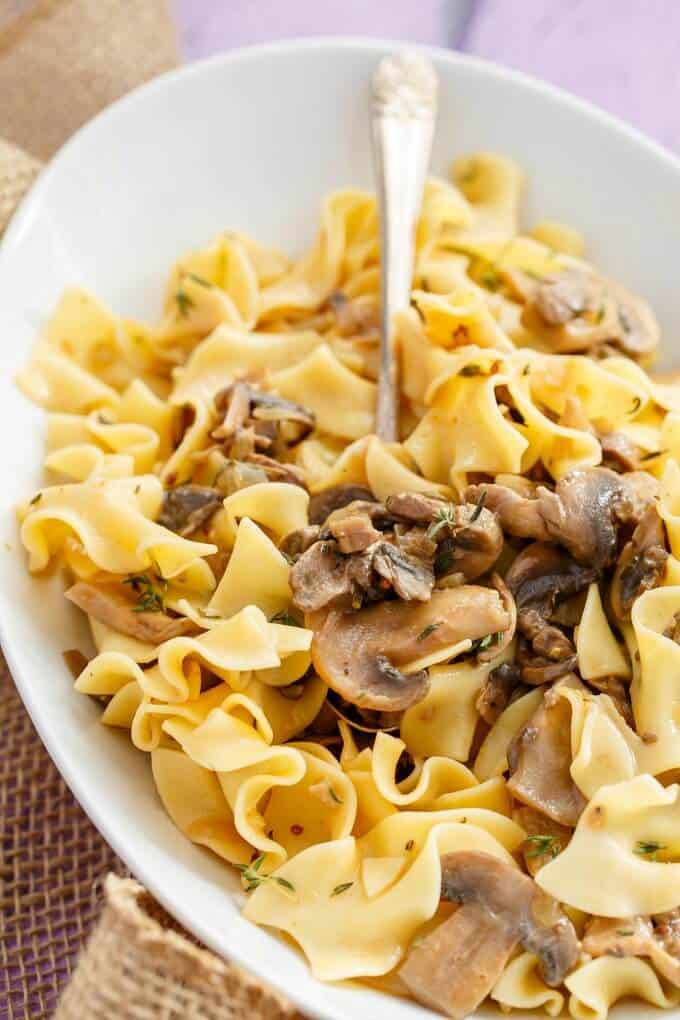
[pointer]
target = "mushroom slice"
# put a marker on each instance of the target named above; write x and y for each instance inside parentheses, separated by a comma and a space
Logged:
(320, 577)
(636, 936)
(543, 575)
(503, 640)
(414, 507)
(642, 490)
(495, 694)
(410, 577)
(110, 604)
(361, 654)
(539, 757)
(352, 527)
(582, 513)
(642, 563)
(188, 507)
(455, 967)
(575, 311)
(297, 542)
(545, 839)
(619, 452)
(277, 471)
(322, 504)
(363, 719)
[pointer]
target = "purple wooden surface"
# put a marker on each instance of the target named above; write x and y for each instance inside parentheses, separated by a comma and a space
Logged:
(620, 54)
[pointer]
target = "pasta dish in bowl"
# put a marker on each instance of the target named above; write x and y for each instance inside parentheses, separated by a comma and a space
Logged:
(421, 696)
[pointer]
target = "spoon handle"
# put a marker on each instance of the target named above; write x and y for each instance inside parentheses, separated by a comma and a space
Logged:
(404, 100)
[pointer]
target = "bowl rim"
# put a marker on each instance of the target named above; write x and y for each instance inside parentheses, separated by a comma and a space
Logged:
(30, 205)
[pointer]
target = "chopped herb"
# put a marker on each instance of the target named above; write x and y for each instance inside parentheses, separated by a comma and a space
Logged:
(443, 518)
(490, 278)
(648, 848)
(625, 931)
(480, 506)
(184, 303)
(637, 404)
(600, 315)
(334, 796)
(199, 279)
(36, 499)
(414, 304)
(653, 454)
(286, 618)
(542, 845)
(470, 370)
(150, 592)
(250, 873)
(424, 285)
(526, 370)
(343, 887)
(209, 616)
(325, 548)
(410, 845)
(431, 627)
(138, 489)
(484, 642)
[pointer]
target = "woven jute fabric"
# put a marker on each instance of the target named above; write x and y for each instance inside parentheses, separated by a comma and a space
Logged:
(67, 921)
(179, 979)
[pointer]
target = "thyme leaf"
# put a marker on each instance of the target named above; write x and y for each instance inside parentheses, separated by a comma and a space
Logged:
(150, 591)
(343, 887)
(184, 303)
(443, 518)
(250, 874)
(426, 631)
(542, 844)
(480, 506)
(648, 848)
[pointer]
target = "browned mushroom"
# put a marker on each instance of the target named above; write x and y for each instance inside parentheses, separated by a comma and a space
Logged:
(619, 452)
(581, 514)
(352, 526)
(414, 507)
(361, 654)
(456, 965)
(642, 490)
(323, 503)
(641, 565)
(110, 603)
(277, 471)
(542, 577)
(658, 939)
(575, 311)
(539, 757)
(494, 648)
(297, 542)
(188, 507)
(494, 695)
(324, 576)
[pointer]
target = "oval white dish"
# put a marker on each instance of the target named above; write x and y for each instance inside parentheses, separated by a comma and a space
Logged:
(252, 141)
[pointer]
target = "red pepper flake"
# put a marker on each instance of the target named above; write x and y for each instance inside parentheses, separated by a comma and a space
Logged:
(296, 829)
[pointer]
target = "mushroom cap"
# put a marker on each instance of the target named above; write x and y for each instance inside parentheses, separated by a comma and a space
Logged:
(361, 654)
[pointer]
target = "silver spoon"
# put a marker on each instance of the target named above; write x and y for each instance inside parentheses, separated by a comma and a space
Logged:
(403, 110)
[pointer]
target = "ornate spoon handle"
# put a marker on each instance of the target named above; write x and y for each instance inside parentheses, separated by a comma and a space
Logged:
(402, 121)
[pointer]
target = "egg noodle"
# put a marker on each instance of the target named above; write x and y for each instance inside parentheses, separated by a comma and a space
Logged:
(424, 696)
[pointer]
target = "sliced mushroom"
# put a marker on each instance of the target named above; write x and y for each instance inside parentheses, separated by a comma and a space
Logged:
(414, 507)
(322, 504)
(575, 311)
(502, 640)
(642, 490)
(111, 604)
(363, 719)
(455, 967)
(277, 471)
(410, 577)
(636, 936)
(494, 696)
(618, 690)
(300, 541)
(619, 452)
(361, 654)
(539, 757)
(321, 577)
(352, 526)
(582, 513)
(188, 507)
(642, 563)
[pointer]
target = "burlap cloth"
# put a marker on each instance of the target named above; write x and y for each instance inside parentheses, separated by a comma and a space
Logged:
(61, 61)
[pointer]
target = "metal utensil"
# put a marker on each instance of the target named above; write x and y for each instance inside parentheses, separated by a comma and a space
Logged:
(404, 101)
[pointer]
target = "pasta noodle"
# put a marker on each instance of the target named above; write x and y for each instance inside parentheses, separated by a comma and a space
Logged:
(423, 695)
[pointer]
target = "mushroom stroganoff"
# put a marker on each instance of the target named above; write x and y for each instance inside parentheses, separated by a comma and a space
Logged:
(423, 696)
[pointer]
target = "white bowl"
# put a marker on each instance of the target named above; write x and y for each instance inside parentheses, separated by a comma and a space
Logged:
(252, 140)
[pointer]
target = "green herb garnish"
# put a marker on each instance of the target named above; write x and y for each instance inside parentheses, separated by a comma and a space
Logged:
(285, 618)
(250, 873)
(627, 931)
(36, 499)
(150, 591)
(343, 887)
(648, 848)
(470, 370)
(334, 796)
(443, 518)
(199, 279)
(184, 303)
(480, 506)
(542, 845)
(426, 631)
